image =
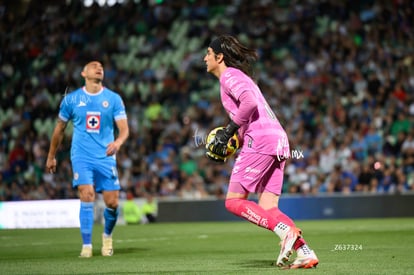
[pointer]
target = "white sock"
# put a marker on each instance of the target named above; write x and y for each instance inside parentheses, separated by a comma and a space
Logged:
(281, 229)
(304, 250)
(106, 235)
(87, 245)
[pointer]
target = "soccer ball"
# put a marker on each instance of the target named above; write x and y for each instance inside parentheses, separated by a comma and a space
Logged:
(232, 145)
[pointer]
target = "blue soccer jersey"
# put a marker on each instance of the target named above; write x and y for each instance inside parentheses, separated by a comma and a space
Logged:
(93, 117)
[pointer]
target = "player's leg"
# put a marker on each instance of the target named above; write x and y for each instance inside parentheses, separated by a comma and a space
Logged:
(111, 210)
(248, 174)
(110, 216)
(290, 235)
(237, 204)
(269, 201)
(83, 180)
(86, 217)
(284, 227)
(107, 182)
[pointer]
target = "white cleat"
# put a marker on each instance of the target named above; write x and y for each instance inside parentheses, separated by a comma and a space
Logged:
(305, 261)
(86, 252)
(287, 246)
(107, 249)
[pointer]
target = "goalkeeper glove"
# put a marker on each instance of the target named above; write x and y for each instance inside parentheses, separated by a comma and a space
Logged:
(219, 145)
(215, 157)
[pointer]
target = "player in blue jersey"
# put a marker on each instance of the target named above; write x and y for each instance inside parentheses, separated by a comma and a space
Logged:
(94, 111)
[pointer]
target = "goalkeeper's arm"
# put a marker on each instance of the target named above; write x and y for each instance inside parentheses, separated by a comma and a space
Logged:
(248, 105)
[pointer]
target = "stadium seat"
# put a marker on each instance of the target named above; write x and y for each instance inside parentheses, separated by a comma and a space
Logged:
(19, 101)
(1, 116)
(38, 125)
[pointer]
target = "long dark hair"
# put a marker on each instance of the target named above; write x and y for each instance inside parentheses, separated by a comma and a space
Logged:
(235, 54)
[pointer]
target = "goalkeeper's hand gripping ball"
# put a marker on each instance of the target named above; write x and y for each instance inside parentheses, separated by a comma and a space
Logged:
(218, 151)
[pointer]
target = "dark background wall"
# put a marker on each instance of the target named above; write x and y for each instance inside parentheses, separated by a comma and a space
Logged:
(298, 208)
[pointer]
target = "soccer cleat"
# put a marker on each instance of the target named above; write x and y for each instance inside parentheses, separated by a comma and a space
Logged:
(305, 261)
(107, 249)
(86, 252)
(287, 245)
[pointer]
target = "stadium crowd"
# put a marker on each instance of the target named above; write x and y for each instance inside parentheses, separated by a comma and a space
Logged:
(339, 74)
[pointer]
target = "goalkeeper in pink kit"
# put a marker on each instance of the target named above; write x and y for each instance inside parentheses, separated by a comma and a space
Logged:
(260, 164)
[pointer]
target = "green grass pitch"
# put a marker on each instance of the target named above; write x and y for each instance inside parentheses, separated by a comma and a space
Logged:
(358, 246)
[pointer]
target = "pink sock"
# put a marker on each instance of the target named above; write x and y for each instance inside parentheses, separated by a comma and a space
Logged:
(299, 242)
(252, 212)
(282, 217)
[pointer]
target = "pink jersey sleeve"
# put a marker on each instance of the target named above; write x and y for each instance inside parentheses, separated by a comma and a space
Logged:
(247, 106)
(260, 129)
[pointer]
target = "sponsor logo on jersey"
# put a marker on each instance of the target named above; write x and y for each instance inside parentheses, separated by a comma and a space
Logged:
(252, 170)
(105, 104)
(93, 122)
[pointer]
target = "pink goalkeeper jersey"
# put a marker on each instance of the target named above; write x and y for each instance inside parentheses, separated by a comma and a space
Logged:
(260, 130)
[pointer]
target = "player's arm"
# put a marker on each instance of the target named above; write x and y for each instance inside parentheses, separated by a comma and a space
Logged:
(248, 105)
(123, 134)
(56, 140)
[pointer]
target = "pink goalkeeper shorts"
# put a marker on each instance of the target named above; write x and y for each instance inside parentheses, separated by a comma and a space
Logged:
(256, 173)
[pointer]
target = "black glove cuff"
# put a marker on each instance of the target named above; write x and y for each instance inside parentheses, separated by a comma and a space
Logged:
(231, 128)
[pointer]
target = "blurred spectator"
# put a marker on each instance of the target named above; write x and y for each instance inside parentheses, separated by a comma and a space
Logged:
(150, 208)
(131, 211)
(365, 176)
(400, 125)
